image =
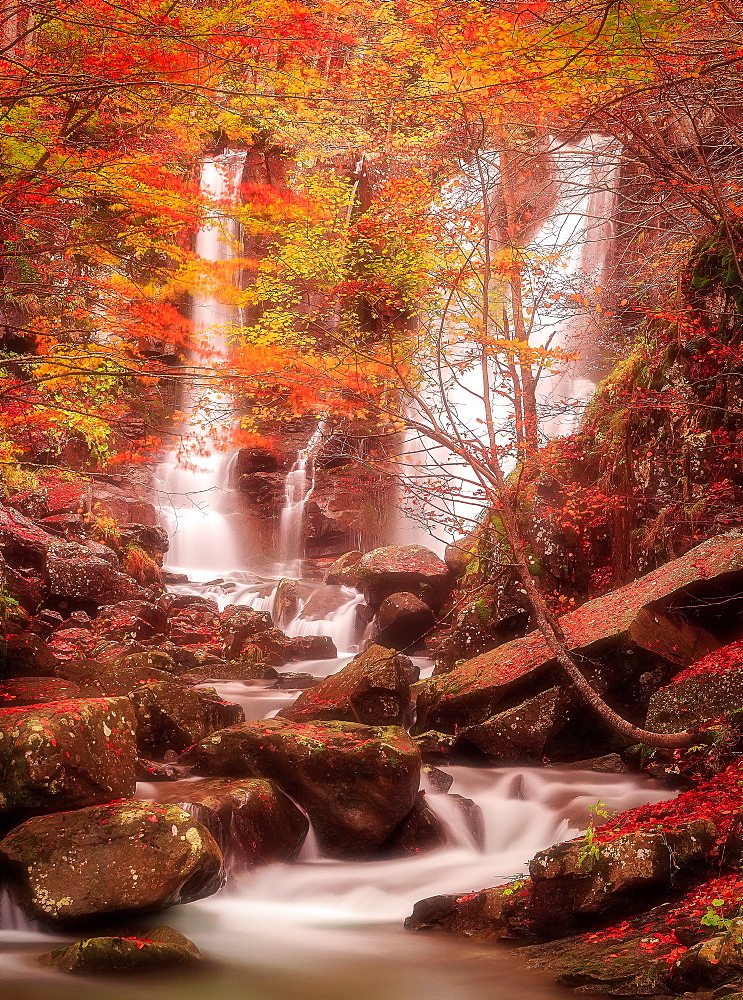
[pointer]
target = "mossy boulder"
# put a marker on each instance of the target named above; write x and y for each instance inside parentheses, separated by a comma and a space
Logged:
(356, 782)
(159, 948)
(112, 860)
(372, 689)
(74, 572)
(66, 754)
(411, 569)
(171, 716)
(345, 570)
(251, 819)
(521, 733)
(696, 699)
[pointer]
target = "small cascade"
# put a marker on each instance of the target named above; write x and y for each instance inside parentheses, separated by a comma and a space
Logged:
(300, 482)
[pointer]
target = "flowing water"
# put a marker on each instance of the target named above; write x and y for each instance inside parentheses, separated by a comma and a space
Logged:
(321, 929)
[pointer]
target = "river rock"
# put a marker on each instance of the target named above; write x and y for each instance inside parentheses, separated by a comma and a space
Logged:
(356, 782)
(66, 754)
(639, 628)
(251, 819)
(130, 619)
(171, 716)
(158, 948)
(151, 538)
(578, 879)
(123, 858)
(409, 569)
(35, 690)
(73, 572)
(263, 491)
(372, 689)
(240, 626)
(695, 699)
(402, 620)
(421, 831)
(306, 647)
(520, 734)
(286, 601)
(345, 570)
(489, 915)
(717, 960)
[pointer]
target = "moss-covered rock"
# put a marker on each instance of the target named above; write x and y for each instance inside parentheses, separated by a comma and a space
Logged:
(520, 733)
(409, 569)
(696, 699)
(372, 689)
(171, 716)
(356, 782)
(66, 754)
(122, 858)
(251, 819)
(159, 948)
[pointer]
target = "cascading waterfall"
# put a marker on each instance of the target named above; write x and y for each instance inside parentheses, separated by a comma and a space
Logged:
(574, 241)
(198, 506)
(300, 483)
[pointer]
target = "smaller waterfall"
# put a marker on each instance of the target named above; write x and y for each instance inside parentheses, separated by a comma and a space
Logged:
(300, 483)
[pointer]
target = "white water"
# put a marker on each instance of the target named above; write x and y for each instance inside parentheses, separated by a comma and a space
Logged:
(198, 506)
(300, 482)
(568, 254)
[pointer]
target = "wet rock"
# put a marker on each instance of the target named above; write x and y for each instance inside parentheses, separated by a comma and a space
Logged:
(130, 619)
(101, 551)
(45, 622)
(123, 858)
(234, 670)
(436, 746)
(66, 754)
(22, 542)
(263, 491)
(610, 763)
(23, 584)
(72, 643)
(421, 831)
(150, 659)
(306, 647)
(471, 814)
(439, 782)
(151, 770)
(286, 601)
(402, 620)
(634, 630)
(240, 627)
(151, 538)
(578, 879)
(345, 570)
(250, 460)
(294, 682)
(159, 948)
(409, 569)
(479, 627)
(696, 699)
(372, 689)
(251, 819)
(520, 733)
(171, 716)
(356, 782)
(34, 690)
(72, 571)
(717, 960)
(118, 678)
(323, 602)
(490, 915)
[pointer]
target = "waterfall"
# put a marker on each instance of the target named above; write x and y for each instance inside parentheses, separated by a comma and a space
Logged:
(198, 507)
(300, 482)
(571, 241)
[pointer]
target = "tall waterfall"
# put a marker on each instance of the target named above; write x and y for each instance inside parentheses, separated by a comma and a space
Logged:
(198, 506)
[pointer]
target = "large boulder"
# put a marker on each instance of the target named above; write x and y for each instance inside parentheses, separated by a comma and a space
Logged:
(251, 819)
(240, 626)
(356, 782)
(22, 542)
(410, 569)
(66, 754)
(520, 733)
(711, 689)
(130, 619)
(345, 570)
(27, 656)
(154, 949)
(171, 716)
(111, 860)
(659, 623)
(286, 601)
(402, 620)
(75, 573)
(373, 689)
